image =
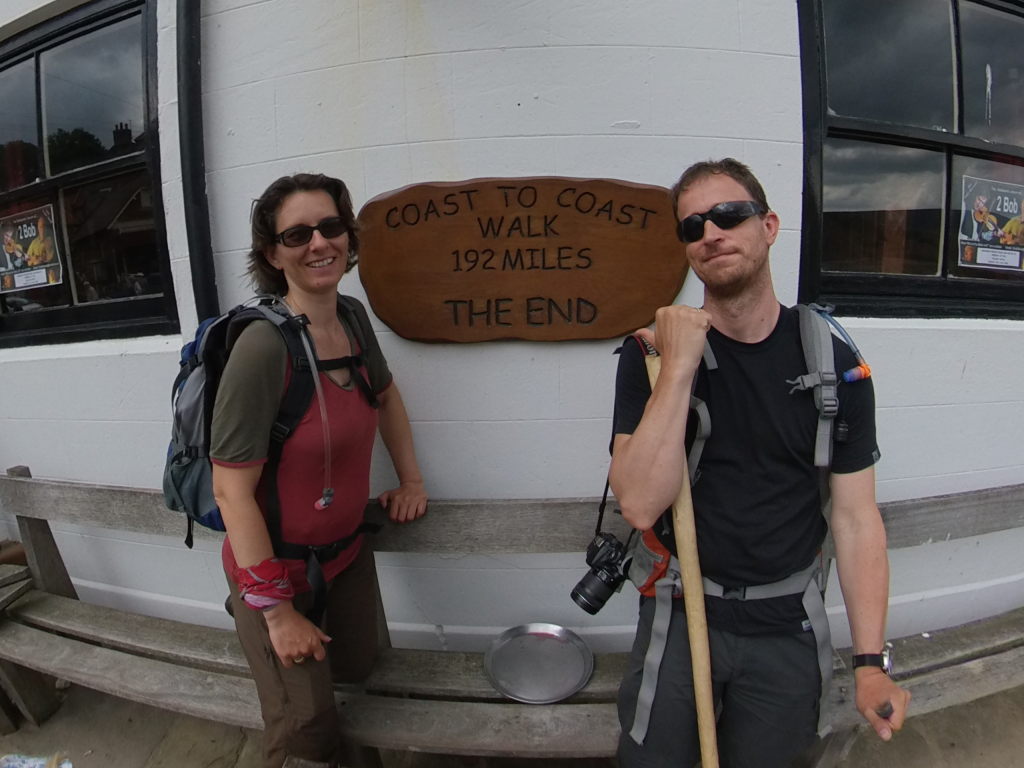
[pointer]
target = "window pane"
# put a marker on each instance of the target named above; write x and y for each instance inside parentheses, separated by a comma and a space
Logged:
(993, 73)
(112, 237)
(18, 134)
(988, 212)
(93, 97)
(882, 208)
(890, 61)
(32, 275)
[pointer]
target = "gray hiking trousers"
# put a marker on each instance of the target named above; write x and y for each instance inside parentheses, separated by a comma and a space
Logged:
(766, 690)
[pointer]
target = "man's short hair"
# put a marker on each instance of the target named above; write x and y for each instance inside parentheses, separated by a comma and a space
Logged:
(728, 166)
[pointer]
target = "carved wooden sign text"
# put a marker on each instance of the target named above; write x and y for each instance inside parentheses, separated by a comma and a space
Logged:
(543, 259)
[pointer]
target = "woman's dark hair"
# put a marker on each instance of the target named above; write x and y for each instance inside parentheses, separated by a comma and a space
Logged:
(266, 277)
(728, 166)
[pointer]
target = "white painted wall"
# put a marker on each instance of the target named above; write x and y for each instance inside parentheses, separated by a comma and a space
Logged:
(385, 93)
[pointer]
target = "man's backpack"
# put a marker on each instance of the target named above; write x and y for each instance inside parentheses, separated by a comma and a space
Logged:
(188, 475)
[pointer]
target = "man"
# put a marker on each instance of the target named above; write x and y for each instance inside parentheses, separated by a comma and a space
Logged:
(756, 499)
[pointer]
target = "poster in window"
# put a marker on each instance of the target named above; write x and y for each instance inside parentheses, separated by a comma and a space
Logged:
(30, 256)
(992, 228)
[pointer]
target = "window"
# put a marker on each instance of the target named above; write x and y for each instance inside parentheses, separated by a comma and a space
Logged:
(914, 128)
(83, 248)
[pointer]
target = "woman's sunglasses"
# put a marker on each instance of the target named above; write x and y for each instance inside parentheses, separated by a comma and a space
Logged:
(723, 215)
(303, 233)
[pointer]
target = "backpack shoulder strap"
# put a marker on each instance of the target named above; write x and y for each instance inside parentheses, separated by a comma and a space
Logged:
(354, 313)
(816, 340)
(700, 409)
(298, 394)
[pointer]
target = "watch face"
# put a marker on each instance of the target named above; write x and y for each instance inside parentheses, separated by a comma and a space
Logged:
(887, 659)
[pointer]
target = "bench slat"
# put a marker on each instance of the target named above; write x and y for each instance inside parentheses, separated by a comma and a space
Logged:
(12, 573)
(209, 695)
(11, 592)
(490, 525)
(434, 674)
(487, 729)
(957, 645)
(452, 674)
(216, 650)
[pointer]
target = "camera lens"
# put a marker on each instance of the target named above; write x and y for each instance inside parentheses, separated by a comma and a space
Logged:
(594, 589)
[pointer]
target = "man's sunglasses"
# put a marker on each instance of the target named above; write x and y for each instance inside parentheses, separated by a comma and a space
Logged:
(724, 216)
(303, 233)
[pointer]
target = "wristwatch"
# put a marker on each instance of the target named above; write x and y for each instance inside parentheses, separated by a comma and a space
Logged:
(881, 660)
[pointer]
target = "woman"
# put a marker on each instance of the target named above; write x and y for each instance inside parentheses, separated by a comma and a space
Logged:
(304, 240)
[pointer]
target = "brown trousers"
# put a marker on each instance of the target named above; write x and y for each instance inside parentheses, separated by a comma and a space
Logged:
(300, 718)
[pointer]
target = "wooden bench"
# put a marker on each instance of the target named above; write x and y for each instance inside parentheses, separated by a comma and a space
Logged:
(428, 701)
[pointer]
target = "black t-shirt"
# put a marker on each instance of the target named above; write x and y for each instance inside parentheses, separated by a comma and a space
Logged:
(756, 501)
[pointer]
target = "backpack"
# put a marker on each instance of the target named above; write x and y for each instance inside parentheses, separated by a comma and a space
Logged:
(188, 474)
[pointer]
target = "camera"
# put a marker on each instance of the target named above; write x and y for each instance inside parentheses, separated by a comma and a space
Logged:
(606, 556)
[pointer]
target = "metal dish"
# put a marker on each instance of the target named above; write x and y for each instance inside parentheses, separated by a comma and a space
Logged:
(538, 663)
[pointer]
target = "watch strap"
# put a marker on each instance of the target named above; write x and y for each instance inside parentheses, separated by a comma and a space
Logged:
(869, 660)
(883, 660)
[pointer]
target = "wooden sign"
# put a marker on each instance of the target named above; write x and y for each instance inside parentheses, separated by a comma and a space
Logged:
(544, 259)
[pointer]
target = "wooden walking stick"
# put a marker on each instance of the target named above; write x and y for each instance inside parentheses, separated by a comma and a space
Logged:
(693, 599)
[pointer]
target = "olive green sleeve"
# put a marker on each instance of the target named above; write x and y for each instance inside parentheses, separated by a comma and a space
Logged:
(249, 396)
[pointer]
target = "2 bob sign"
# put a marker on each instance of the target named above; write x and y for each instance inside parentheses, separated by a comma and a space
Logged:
(542, 259)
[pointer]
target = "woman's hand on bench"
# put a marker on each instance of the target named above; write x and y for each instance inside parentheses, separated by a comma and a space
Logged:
(405, 503)
(293, 636)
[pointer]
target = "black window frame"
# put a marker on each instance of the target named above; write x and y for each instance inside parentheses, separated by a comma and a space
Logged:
(143, 316)
(888, 295)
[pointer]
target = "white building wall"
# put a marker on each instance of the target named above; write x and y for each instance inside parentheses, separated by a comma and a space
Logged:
(385, 93)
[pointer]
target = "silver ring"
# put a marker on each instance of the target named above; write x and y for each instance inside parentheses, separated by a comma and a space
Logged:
(298, 659)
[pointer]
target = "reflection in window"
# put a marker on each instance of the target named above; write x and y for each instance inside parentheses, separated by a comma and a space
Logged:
(882, 208)
(890, 61)
(93, 97)
(18, 135)
(993, 74)
(112, 238)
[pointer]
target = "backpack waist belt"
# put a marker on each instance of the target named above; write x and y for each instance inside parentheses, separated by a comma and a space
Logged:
(314, 556)
(805, 582)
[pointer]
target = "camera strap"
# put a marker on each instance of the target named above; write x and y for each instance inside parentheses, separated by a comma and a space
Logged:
(602, 505)
(600, 515)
